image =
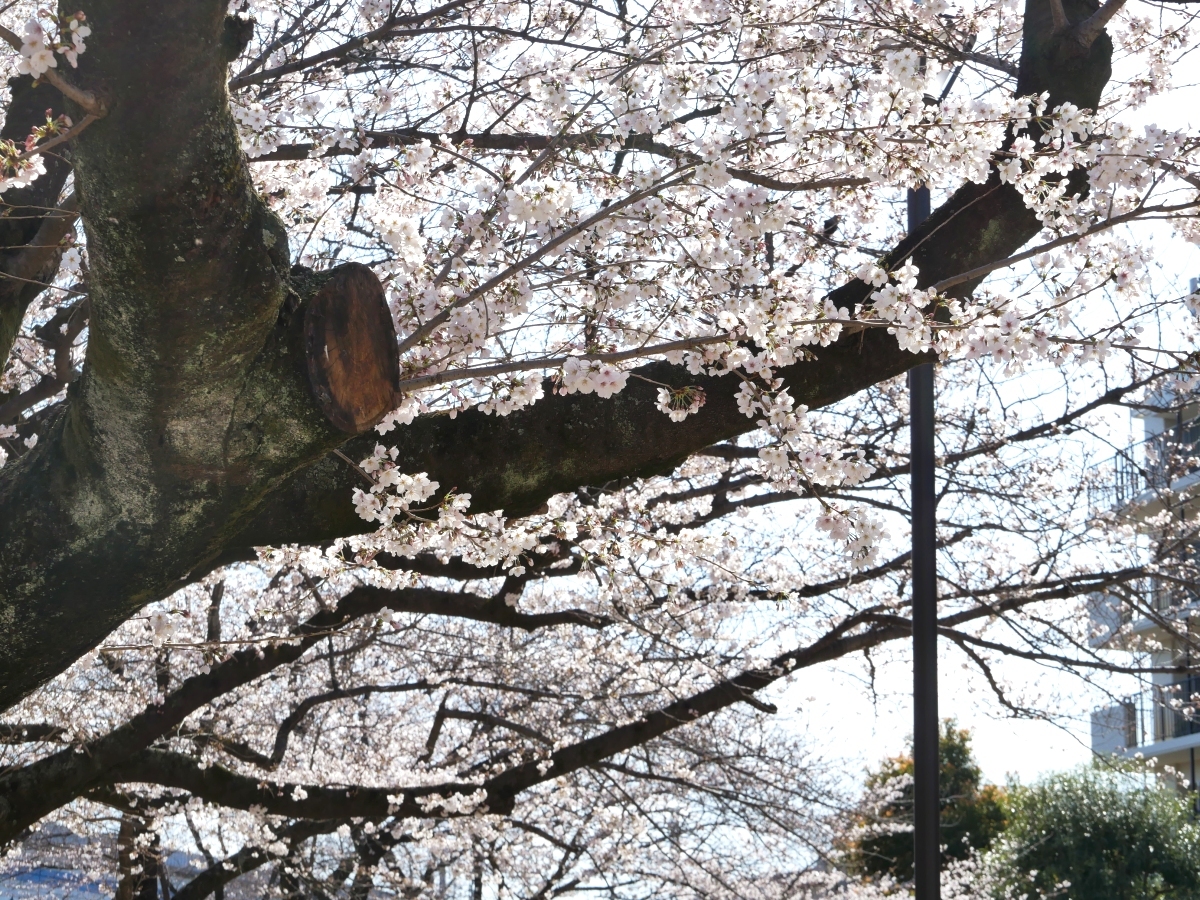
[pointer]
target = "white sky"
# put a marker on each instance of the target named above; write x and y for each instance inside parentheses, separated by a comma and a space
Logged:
(855, 731)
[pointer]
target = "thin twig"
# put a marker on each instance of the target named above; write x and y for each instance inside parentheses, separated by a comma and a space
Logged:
(356, 467)
(59, 139)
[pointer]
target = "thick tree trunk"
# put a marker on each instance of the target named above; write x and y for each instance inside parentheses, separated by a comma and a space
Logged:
(195, 400)
(138, 863)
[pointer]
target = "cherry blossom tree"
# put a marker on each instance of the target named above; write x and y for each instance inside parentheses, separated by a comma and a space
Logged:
(434, 435)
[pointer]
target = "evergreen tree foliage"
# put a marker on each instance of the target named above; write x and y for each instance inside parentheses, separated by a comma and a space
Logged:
(1112, 832)
(973, 814)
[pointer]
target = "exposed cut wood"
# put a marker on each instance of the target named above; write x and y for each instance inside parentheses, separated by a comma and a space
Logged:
(350, 346)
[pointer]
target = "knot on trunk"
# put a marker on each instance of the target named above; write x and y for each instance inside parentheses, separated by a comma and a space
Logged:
(236, 36)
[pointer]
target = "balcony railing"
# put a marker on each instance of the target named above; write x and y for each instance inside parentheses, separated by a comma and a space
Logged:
(1158, 714)
(1175, 713)
(1154, 597)
(1148, 465)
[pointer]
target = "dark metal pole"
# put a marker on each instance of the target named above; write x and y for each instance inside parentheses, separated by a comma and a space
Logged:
(926, 830)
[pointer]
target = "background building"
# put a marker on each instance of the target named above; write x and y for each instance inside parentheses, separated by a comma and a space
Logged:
(1156, 482)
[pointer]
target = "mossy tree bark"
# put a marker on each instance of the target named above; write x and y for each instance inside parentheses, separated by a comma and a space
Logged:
(193, 433)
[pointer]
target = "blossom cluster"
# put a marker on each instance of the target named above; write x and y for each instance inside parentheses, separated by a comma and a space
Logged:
(21, 164)
(679, 403)
(39, 43)
(587, 376)
(392, 493)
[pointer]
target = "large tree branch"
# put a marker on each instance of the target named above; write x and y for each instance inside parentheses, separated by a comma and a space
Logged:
(515, 463)
(28, 793)
(121, 756)
(217, 784)
(526, 143)
(191, 437)
(866, 629)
